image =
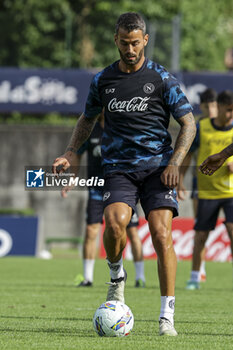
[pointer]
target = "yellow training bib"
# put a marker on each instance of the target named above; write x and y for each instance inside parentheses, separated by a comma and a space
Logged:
(212, 140)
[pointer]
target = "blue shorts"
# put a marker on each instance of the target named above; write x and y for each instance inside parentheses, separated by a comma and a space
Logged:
(208, 211)
(95, 210)
(144, 185)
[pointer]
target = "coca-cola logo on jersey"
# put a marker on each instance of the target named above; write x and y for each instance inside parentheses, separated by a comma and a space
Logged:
(135, 104)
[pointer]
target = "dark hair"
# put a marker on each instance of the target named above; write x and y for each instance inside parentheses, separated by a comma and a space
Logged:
(209, 95)
(131, 21)
(225, 97)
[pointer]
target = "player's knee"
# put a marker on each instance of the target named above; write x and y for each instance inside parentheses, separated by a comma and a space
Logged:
(89, 238)
(92, 231)
(132, 239)
(119, 213)
(200, 239)
(116, 218)
(161, 237)
(114, 229)
(115, 226)
(132, 234)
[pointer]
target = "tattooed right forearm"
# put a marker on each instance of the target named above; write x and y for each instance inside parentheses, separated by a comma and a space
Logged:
(184, 139)
(81, 132)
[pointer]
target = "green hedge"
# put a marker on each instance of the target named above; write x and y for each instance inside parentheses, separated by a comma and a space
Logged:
(23, 212)
(73, 240)
(43, 119)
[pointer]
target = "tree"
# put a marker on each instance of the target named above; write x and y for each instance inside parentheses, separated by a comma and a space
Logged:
(207, 31)
(34, 33)
(55, 33)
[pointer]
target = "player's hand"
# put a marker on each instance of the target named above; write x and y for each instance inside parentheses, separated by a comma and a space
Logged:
(211, 164)
(64, 162)
(170, 176)
(65, 190)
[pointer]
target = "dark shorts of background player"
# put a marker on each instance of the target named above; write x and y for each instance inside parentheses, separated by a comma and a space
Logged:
(194, 193)
(95, 210)
(144, 185)
(208, 212)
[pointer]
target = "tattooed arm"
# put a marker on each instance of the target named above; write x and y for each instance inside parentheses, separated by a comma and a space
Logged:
(214, 162)
(184, 139)
(80, 134)
(170, 176)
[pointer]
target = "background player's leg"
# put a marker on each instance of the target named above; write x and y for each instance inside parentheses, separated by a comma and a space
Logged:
(200, 239)
(202, 267)
(94, 221)
(228, 211)
(136, 245)
(204, 223)
(89, 247)
(89, 252)
(229, 227)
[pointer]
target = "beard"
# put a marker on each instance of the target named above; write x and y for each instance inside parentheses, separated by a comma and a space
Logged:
(131, 62)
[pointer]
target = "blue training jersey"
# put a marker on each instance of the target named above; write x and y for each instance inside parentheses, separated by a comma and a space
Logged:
(137, 113)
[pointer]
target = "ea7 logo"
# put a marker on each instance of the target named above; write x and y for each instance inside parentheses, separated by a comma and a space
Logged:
(109, 91)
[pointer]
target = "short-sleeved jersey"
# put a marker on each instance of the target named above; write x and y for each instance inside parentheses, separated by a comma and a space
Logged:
(209, 140)
(93, 148)
(137, 113)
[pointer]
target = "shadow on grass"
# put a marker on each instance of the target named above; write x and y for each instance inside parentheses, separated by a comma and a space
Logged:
(27, 286)
(143, 289)
(88, 319)
(186, 322)
(208, 334)
(204, 290)
(85, 334)
(45, 318)
(58, 331)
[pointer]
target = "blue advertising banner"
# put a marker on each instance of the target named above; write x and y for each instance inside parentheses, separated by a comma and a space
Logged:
(66, 90)
(195, 83)
(18, 235)
(43, 90)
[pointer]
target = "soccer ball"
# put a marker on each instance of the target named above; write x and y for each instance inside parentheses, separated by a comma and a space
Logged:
(113, 319)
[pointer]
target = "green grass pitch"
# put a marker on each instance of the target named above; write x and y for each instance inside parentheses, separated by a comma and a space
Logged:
(41, 309)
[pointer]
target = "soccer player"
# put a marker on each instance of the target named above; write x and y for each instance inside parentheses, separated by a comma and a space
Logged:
(216, 192)
(208, 107)
(95, 212)
(139, 163)
(208, 104)
(214, 162)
